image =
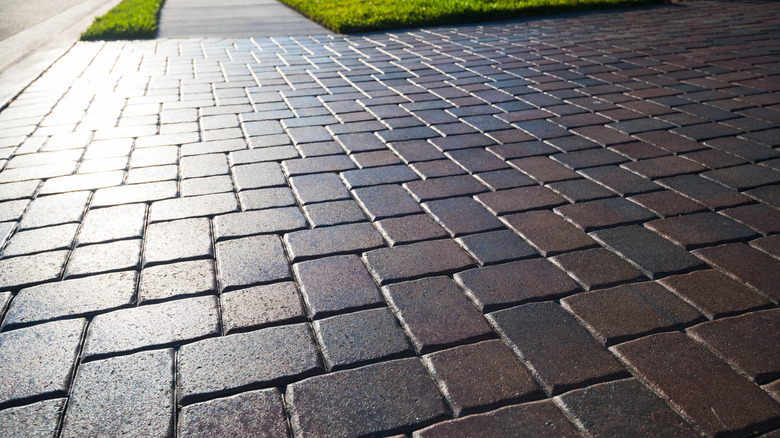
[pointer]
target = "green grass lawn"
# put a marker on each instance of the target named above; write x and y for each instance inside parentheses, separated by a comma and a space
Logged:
(131, 19)
(348, 16)
(136, 19)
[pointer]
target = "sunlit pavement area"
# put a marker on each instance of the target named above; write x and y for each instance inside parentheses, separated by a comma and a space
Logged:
(563, 226)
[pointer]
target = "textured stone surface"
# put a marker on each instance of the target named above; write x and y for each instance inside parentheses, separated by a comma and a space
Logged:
(458, 321)
(701, 229)
(363, 336)
(39, 360)
(713, 293)
(683, 371)
(253, 413)
(635, 310)
(651, 253)
(481, 375)
(246, 360)
(746, 342)
(596, 268)
(37, 420)
(748, 265)
(335, 284)
(18, 272)
(104, 257)
(549, 233)
(177, 279)
(250, 261)
(384, 397)
(260, 306)
(177, 241)
(461, 216)
(416, 260)
(408, 229)
(623, 408)
(541, 418)
(498, 286)
(386, 201)
(126, 395)
(40, 240)
(558, 350)
(496, 247)
(113, 223)
(247, 223)
(338, 239)
(152, 325)
(77, 297)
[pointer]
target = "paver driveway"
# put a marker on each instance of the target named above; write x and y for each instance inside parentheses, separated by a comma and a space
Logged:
(564, 226)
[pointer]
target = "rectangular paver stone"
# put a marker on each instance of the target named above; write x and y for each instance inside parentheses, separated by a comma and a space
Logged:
(386, 397)
(76, 297)
(651, 253)
(251, 260)
(194, 206)
(247, 223)
(559, 351)
(407, 262)
(498, 286)
(435, 313)
(253, 413)
(120, 396)
(152, 325)
(334, 240)
(39, 360)
(685, 372)
(34, 420)
(177, 240)
(335, 284)
(18, 272)
(263, 357)
(161, 282)
(260, 306)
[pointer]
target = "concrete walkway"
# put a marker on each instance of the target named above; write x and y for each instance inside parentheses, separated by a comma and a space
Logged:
(556, 227)
(232, 18)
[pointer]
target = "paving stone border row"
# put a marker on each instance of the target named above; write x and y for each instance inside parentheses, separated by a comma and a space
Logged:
(512, 226)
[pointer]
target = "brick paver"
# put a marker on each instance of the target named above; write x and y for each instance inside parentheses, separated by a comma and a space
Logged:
(555, 226)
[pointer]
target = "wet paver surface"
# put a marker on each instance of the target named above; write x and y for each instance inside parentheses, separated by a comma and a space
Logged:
(566, 226)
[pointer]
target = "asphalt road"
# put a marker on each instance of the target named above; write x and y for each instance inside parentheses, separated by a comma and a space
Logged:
(18, 15)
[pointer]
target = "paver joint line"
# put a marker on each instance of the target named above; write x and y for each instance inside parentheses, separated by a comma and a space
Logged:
(559, 226)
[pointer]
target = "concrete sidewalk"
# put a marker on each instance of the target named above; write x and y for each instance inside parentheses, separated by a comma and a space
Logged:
(566, 226)
(233, 18)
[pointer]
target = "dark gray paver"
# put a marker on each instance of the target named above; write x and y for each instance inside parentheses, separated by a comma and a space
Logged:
(408, 229)
(481, 375)
(558, 350)
(126, 395)
(651, 253)
(386, 397)
(385, 201)
(461, 216)
(520, 199)
(318, 188)
(407, 262)
(496, 247)
(540, 418)
(701, 229)
(246, 360)
(359, 337)
(623, 408)
(253, 413)
(548, 232)
(77, 297)
(177, 279)
(251, 260)
(496, 286)
(36, 420)
(596, 268)
(39, 361)
(177, 241)
(152, 325)
(248, 223)
(259, 306)
(194, 206)
(338, 239)
(682, 371)
(258, 175)
(458, 320)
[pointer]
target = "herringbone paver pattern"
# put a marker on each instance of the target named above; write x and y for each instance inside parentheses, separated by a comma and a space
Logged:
(561, 226)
